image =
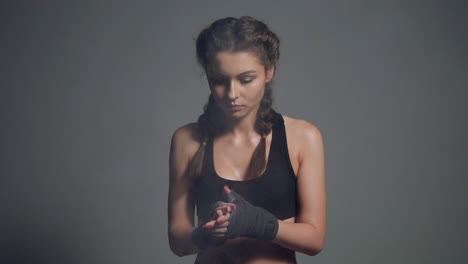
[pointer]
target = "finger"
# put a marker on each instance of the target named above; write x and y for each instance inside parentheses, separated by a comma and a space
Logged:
(228, 207)
(222, 205)
(220, 220)
(225, 206)
(223, 218)
(217, 230)
(231, 207)
(209, 224)
(217, 215)
(222, 210)
(224, 224)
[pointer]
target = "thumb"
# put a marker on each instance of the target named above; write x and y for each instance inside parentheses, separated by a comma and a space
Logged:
(231, 195)
(228, 194)
(226, 189)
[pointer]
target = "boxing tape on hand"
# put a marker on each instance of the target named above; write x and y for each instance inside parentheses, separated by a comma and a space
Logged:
(204, 240)
(201, 237)
(251, 221)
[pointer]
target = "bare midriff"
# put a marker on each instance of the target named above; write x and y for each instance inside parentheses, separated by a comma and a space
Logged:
(245, 250)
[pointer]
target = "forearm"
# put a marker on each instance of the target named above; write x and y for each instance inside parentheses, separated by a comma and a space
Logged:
(301, 237)
(180, 242)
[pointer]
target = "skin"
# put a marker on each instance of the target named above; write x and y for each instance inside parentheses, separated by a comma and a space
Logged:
(240, 78)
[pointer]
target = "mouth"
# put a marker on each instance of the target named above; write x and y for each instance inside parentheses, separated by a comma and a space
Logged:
(235, 108)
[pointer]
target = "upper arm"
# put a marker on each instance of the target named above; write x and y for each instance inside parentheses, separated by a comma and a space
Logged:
(180, 204)
(311, 178)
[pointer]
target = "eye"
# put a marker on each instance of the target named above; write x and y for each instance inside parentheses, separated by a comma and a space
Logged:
(245, 81)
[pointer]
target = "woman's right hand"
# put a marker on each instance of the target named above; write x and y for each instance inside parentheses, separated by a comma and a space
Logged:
(217, 226)
(212, 233)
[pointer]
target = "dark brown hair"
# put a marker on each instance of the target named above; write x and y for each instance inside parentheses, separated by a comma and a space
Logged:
(233, 35)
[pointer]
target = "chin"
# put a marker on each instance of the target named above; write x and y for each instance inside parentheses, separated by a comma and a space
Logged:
(235, 115)
(238, 114)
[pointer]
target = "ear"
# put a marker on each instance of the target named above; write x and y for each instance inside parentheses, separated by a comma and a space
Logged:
(269, 74)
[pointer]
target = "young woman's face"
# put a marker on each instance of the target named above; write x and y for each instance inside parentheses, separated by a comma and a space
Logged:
(237, 82)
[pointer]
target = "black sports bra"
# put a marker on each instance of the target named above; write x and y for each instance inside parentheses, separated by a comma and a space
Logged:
(274, 190)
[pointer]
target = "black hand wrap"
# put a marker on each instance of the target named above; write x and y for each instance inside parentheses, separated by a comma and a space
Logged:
(203, 240)
(250, 221)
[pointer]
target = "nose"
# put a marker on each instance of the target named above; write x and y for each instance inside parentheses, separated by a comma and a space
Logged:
(233, 91)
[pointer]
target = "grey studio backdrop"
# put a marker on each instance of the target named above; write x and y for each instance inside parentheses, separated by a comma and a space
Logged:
(92, 91)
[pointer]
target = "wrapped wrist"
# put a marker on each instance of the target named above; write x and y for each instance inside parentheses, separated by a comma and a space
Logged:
(250, 221)
(267, 229)
(203, 240)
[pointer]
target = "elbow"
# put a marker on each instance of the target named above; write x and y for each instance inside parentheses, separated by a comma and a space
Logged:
(317, 245)
(178, 252)
(176, 247)
(315, 248)
(313, 251)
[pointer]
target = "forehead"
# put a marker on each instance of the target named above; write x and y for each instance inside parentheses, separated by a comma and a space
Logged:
(234, 63)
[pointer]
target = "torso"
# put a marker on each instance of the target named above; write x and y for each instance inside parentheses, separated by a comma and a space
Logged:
(233, 167)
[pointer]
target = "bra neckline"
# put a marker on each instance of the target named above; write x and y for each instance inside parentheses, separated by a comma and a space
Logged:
(252, 180)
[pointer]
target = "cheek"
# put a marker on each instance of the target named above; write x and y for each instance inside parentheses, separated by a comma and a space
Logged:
(260, 95)
(256, 91)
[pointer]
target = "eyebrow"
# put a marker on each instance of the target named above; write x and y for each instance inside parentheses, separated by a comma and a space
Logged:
(240, 74)
(246, 72)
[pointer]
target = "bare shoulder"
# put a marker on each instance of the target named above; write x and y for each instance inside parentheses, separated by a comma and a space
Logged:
(301, 135)
(300, 127)
(186, 140)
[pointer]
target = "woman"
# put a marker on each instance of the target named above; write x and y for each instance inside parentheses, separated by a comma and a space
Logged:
(256, 177)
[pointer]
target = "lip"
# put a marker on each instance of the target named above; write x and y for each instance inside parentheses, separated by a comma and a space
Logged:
(236, 107)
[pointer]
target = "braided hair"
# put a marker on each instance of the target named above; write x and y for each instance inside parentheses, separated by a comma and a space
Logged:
(234, 35)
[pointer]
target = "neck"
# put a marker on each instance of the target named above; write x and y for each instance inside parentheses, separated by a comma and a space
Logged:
(242, 128)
